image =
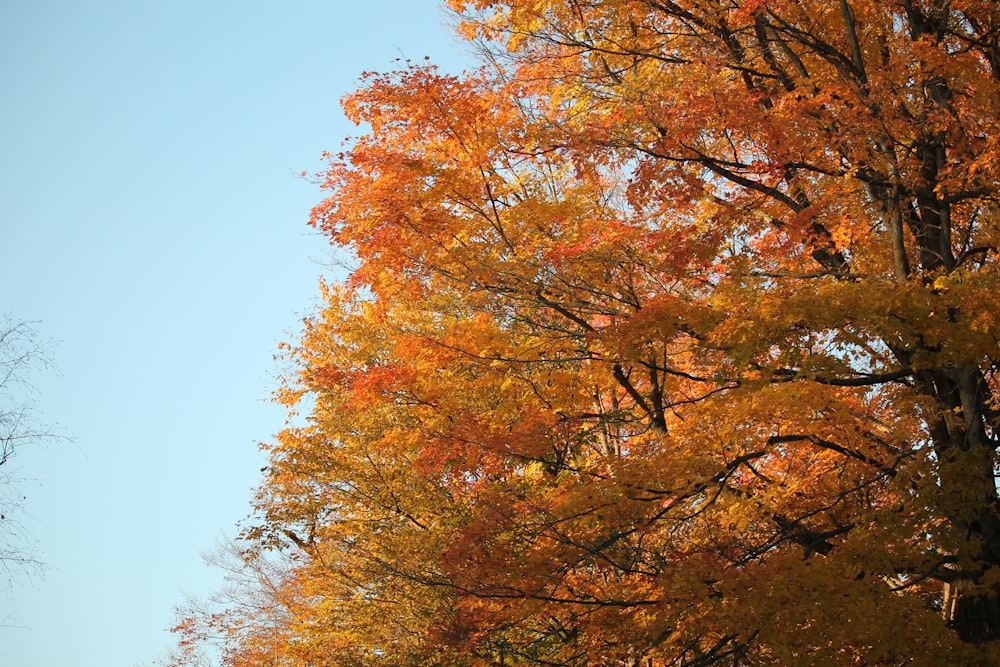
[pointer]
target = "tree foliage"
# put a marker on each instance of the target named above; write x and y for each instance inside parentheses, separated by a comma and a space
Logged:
(672, 339)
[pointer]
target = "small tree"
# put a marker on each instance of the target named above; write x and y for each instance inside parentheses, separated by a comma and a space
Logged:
(21, 355)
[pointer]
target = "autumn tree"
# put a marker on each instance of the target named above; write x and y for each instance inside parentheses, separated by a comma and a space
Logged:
(672, 339)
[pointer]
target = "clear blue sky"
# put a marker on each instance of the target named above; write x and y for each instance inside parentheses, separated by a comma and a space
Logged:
(152, 221)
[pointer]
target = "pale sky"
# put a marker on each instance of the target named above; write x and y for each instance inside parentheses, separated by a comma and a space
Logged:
(153, 223)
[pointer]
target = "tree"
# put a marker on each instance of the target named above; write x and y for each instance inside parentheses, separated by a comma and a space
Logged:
(21, 354)
(672, 340)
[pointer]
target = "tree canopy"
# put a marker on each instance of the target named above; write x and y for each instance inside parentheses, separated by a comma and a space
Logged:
(671, 339)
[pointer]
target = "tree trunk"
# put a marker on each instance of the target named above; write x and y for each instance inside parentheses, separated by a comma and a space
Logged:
(968, 498)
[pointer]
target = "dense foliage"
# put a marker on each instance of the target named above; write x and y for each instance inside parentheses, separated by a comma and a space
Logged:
(672, 339)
